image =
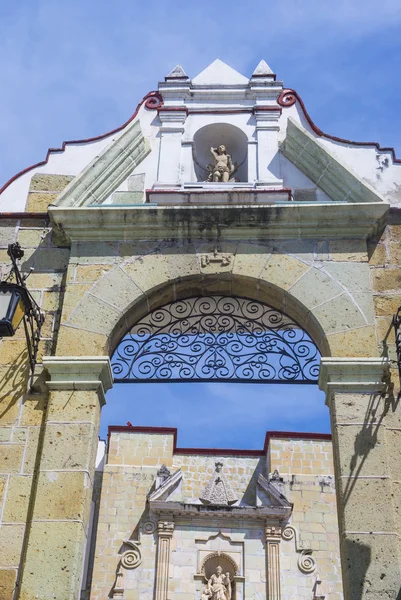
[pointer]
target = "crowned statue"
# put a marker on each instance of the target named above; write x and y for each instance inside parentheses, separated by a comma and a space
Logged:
(218, 586)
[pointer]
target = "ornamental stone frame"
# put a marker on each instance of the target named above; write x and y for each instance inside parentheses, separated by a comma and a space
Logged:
(111, 284)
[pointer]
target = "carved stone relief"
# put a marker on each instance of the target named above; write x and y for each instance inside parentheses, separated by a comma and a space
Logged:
(131, 559)
(216, 257)
(306, 562)
(218, 490)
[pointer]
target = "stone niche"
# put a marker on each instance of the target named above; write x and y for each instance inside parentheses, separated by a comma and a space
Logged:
(214, 135)
(220, 549)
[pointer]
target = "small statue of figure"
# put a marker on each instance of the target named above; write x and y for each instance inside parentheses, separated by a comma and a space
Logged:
(223, 168)
(219, 585)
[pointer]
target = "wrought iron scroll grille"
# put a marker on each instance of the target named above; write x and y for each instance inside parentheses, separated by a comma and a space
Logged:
(216, 338)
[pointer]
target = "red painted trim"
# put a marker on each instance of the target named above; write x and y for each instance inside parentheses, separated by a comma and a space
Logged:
(297, 435)
(173, 109)
(319, 132)
(24, 215)
(267, 109)
(218, 451)
(156, 102)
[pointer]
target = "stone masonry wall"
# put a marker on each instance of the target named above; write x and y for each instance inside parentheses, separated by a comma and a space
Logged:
(129, 473)
(22, 409)
(306, 467)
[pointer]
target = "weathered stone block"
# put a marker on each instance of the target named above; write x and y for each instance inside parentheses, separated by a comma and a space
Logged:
(377, 254)
(361, 453)
(7, 583)
(74, 293)
(250, 259)
(355, 277)
(386, 279)
(283, 271)
(69, 446)
(360, 515)
(11, 539)
(369, 561)
(33, 408)
(13, 351)
(358, 408)
(50, 182)
(314, 288)
(39, 202)
(80, 342)
(17, 500)
(93, 314)
(11, 458)
(348, 250)
(30, 238)
(90, 273)
(63, 496)
(31, 454)
(395, 253)
(387, 306)
(182, 261)
(94, 253)
(8, 231)
(69, 406)
(148, 271)
(117, 288)
(354, 342)
(339, 314)
(54, 556)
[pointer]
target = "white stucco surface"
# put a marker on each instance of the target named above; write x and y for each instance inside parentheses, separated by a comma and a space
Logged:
(229, 102)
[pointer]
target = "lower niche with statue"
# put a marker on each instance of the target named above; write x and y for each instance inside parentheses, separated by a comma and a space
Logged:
(202, 525)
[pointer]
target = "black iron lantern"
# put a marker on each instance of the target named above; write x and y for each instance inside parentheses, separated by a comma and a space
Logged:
(14, 304)
(17, 304)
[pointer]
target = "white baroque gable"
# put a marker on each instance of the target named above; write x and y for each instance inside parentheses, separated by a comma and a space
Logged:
(277, 151)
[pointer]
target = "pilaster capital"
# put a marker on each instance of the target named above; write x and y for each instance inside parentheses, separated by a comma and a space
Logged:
(273, 533)
(79, 373)
(353, 375)
(165, 528)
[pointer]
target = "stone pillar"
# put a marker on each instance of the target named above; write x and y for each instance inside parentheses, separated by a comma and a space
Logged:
(171, 131)
(366, 445)
(267, 128)
(273, 538)
(58, 525)
(165, 532)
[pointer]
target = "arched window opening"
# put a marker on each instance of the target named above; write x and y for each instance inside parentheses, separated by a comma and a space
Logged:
(216, 338)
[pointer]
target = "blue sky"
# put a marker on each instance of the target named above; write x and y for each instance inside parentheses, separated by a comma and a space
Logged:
(218, 415)
(74, 69)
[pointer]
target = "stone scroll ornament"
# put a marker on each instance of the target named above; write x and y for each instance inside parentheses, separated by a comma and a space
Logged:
(218, 490)
(306, 562)
(132, 558)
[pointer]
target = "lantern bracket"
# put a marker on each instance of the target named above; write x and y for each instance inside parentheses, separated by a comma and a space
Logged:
(33, 318)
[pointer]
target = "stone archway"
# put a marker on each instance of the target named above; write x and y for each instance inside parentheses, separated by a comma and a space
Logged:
(326, 300)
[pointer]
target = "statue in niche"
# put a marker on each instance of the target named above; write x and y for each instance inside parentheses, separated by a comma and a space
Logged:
(218, 587)
(223, 167)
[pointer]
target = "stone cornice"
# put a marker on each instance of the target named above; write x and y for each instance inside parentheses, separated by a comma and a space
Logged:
(79, 373)
(201, 511)
(108, 170)
(353, 375)
(238, 222)
(324, 168)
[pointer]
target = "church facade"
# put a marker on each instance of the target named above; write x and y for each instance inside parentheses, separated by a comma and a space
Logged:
(167, 518)
(218, 207)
